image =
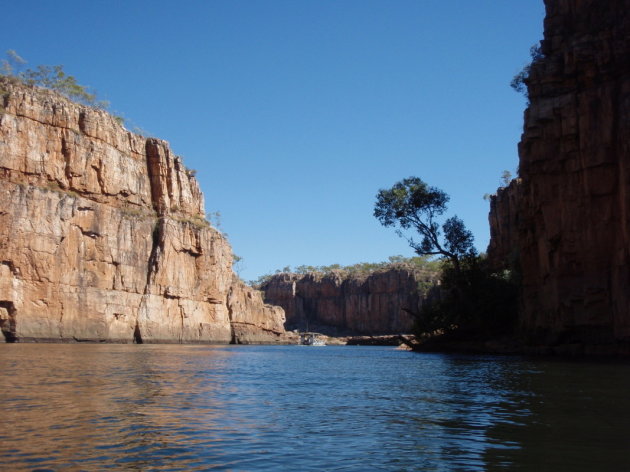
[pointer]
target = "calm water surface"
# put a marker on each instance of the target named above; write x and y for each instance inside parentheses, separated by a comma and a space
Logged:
(162, 407)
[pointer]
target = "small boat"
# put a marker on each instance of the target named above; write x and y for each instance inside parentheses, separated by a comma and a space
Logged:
(311, 339)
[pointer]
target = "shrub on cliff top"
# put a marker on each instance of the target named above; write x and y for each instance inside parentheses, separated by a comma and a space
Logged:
(519, 81)
(49, 77)
(361, 269)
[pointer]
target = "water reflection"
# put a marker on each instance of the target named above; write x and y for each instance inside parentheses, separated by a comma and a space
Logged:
(94, 407)
(576, 417)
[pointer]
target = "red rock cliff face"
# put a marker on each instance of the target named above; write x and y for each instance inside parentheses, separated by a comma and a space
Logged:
(569, 217)
(103, 237)
(380, 303)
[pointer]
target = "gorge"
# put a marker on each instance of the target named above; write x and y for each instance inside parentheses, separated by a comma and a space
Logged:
(378, 303)
(103, 234)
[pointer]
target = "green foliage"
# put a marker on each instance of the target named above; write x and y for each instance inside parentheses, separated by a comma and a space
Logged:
(519, 81)
(237, 264)
(506, 178)
(362, 269)
(473, 300)
(195, 220)
(55, 78)
(214, 217)
(412, 205)
(55, 187)
(52, 78)
(122, 120)
(12, 64)
(260, 281)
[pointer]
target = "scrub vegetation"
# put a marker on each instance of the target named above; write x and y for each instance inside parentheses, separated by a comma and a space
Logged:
(519, 81)
(361, 269)
(49, 77)
(13, 69)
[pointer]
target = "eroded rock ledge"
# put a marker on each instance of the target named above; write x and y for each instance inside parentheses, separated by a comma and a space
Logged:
(103, 236)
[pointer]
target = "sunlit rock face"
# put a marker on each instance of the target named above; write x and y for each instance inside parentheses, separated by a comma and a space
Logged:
(380, 303)
(103, 236)
(254, 322)
(567, 220)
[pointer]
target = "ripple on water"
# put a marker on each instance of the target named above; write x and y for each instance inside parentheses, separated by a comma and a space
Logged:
(168, 408)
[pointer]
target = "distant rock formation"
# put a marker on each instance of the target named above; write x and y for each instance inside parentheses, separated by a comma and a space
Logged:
(376, 304)
(103, 236)
(566, 221)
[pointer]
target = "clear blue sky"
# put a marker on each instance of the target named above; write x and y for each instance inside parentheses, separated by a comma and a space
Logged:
(295, 113)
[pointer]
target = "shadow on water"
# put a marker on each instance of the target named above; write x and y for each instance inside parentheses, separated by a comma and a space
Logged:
(497, 413)
(573, 419)
(148, 407)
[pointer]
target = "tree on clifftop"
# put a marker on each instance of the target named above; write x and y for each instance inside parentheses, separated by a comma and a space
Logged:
(412, 205)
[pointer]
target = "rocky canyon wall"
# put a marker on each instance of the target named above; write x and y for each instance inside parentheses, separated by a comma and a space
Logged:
(380, 303)
(567, 220)
(103, 236)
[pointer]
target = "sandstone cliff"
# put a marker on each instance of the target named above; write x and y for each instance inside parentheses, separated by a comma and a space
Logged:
(380, 303)
(103, 236)
(568, 219)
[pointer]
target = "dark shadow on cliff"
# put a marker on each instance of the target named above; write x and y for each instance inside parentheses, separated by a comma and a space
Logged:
(7, 321)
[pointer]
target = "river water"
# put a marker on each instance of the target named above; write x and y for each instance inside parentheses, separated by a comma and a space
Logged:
(299, 408)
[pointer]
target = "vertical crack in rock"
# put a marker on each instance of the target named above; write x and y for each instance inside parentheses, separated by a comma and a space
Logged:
(157, 238)
(157, 246)
(100, 178)
(65, 152)
(60, 323)
(228, 304)
(137, 336)
(82, 121)
(154, 167)
(182, 315)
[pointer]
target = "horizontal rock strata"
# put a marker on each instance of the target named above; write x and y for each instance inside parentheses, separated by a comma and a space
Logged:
(103, 236)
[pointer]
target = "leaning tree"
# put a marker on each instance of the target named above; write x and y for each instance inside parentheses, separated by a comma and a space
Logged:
(412, 205)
